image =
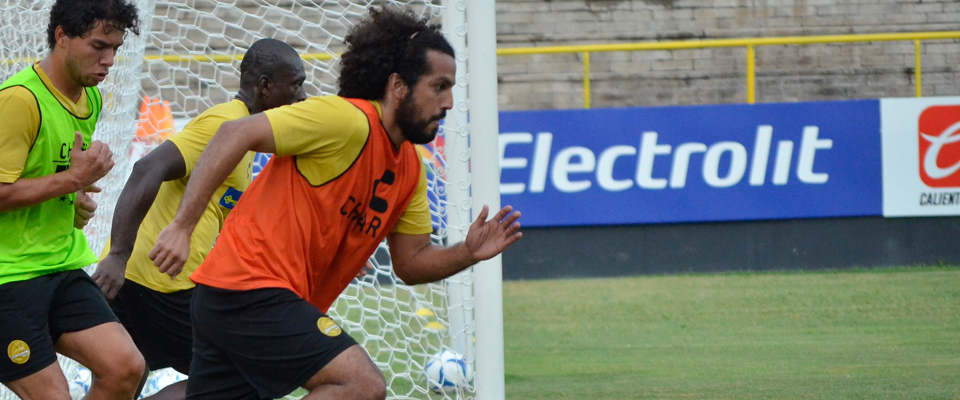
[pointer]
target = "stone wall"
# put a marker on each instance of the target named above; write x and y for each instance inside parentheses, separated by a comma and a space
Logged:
(711, 76)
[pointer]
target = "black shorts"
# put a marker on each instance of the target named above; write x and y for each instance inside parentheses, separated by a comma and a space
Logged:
(258, 344)
(34, 314)
(159, 324)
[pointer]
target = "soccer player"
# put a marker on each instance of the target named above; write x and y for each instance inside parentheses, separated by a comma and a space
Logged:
(151, 306)
(48, 163)
(345, 176)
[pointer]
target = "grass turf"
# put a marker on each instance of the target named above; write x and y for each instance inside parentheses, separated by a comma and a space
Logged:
(866, 334)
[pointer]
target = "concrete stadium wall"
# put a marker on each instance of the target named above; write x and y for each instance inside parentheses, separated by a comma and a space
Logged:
(706, 76)
(711, 76)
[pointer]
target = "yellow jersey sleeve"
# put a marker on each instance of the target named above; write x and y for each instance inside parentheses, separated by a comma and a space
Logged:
(326, 133)
(415, 220)
(316, 126)
(194, 137)
(191, 142)
(20, 114)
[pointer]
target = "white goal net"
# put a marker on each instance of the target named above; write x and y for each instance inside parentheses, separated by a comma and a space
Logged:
(186, 60)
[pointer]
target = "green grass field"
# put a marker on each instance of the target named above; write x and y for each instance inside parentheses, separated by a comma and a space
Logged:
(867, 334)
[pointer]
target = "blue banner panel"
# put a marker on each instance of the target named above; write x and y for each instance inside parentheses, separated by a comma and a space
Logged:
(692, 163)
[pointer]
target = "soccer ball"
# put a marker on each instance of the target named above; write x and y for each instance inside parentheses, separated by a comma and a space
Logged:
(80, 385)
(159, 380)
(448, 372)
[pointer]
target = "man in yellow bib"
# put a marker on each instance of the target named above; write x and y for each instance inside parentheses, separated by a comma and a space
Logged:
(154, 308)
(47, 164)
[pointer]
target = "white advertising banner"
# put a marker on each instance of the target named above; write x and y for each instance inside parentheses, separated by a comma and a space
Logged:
(921, 156)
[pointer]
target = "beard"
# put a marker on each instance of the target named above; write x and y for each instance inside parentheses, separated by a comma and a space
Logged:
(414, 130)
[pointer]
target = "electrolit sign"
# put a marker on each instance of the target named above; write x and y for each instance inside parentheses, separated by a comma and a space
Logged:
(691, 163)
(921, 156)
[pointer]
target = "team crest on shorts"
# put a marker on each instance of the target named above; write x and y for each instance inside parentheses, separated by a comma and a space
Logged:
(328, 327)
(18, 351)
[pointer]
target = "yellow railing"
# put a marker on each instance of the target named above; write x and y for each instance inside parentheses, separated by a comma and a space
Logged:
(171, 58)
(750, 44)
(225, 58)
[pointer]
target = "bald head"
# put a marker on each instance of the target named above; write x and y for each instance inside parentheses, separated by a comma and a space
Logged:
(271, 75)
(267, 57)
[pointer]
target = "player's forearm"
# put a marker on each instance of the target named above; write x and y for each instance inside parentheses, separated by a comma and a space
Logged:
(134, 202)
(218, 159)
(432, 263)
(26, 192)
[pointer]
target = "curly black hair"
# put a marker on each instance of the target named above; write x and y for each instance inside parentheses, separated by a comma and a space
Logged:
(387, 41)
(78, 17)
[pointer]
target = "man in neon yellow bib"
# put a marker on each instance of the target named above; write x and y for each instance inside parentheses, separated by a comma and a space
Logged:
(48, 163)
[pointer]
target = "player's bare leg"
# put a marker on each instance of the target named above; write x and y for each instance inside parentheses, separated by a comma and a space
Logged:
(173, 391)
(46, 384)
(351, 375)
(108, 351)
(143, 379)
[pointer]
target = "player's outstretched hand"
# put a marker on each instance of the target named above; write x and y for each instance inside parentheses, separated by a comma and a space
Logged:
(109, 275)
(84, 207)
(486, 239)
(89, 165)
(172, 249)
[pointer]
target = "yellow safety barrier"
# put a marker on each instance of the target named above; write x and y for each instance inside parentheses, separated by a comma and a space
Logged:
(171, 58)
(748, 43)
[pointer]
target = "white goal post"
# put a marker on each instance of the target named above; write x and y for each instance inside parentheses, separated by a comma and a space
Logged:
(187, 59)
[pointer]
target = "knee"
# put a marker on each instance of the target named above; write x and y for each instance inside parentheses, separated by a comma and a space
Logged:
(126, 370)
(372, 392)
(378, 392)
(132, 368)
(372, 386)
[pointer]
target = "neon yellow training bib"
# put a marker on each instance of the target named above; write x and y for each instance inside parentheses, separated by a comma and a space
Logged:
(41, 239)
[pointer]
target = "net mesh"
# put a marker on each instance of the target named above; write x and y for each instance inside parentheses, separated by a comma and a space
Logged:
(186, 60)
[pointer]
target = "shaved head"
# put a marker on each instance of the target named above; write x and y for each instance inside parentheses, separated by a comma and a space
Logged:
(271, 75)
(270, 58)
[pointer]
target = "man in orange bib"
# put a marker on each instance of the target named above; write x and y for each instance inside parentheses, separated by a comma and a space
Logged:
(152, 307)
(345, 176)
